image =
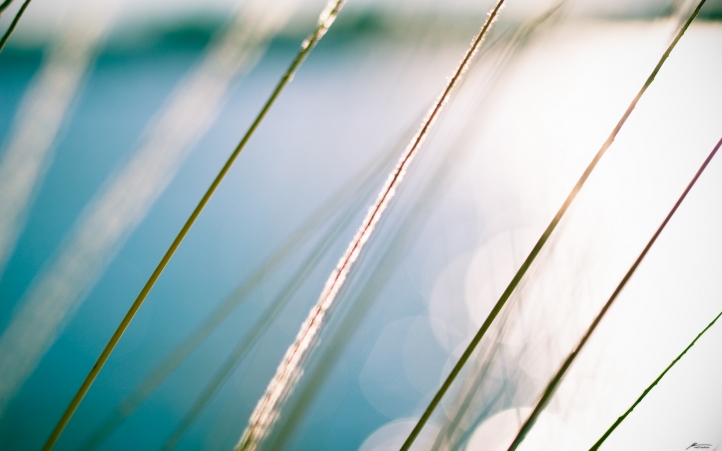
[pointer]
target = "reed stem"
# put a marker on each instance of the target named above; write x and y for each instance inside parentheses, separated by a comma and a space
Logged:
(611, 429)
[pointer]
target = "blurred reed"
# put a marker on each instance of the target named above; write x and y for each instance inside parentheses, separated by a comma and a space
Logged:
(27, 154)
(414, 217)
(44, 108)
(112, 215)
(199, 105)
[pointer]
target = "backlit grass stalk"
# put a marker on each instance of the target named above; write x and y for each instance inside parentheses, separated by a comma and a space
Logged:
(262, 324)
(26, 155)
(266, 319)
(543, 239)
(364, 180)
(619, 421)
(418, 212)
(326, 19)
(557, 379)
(290, 369)
(379, 172)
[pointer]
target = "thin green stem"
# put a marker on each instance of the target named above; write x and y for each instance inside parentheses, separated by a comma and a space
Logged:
(606, 435)
(556, 380)
(14, 23)
(310, 42)
(542, 240)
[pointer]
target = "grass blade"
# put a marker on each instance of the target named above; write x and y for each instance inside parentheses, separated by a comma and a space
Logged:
(544, 238)
(611, 429)
(325, 21)
(13, 24)
(556, 380)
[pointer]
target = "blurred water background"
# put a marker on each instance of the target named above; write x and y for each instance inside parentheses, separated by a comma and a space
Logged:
(544, 93)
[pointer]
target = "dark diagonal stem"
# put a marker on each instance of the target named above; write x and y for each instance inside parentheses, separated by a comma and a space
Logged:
(606, 435)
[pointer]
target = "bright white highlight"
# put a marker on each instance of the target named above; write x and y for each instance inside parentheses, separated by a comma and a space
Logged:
(115, 212)
(391, 436)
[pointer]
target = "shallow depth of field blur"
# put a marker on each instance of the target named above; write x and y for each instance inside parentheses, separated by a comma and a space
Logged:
(87, 86)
